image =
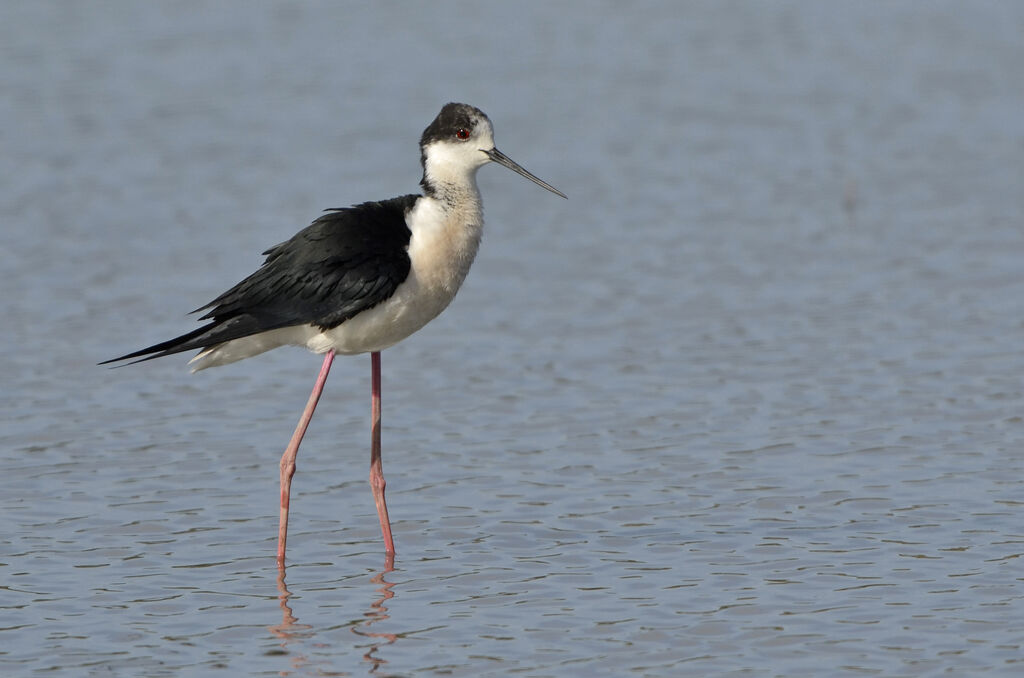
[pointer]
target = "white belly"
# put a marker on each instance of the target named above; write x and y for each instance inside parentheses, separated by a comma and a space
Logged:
(412, 306)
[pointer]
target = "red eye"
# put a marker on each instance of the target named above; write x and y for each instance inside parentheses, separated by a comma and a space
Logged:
(462, 133)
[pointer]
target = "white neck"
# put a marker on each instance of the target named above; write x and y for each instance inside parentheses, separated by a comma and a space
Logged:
(449, 172)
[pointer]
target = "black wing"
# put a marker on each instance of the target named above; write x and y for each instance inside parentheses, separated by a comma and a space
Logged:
(345, 262)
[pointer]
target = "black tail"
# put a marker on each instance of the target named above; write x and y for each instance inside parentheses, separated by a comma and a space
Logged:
(217, 332)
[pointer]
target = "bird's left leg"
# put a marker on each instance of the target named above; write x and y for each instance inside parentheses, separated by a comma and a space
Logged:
(288, 458)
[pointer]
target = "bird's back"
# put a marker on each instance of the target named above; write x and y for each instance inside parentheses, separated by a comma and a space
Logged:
(347, 261)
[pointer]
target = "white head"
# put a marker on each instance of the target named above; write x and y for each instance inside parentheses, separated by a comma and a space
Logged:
(456, 144)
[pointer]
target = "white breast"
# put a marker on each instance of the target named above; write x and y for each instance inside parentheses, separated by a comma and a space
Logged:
(442, 247)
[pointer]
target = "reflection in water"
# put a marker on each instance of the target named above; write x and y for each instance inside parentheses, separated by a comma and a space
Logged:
(376, 613)
(289, 630)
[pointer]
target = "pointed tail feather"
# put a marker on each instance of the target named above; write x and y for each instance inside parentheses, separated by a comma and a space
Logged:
(212, 334)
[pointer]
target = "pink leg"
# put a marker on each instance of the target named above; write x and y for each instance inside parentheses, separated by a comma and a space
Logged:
(376, 473)
(288, 458)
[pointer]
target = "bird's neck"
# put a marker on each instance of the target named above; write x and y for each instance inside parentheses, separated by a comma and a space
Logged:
(449, 182)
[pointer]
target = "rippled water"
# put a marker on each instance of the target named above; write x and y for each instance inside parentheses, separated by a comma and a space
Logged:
(749, 403)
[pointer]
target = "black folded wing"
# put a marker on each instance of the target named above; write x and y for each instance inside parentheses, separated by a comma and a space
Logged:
(347, 261)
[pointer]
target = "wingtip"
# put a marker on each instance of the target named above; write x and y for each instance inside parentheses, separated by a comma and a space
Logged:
(115, 360)
(126, 357)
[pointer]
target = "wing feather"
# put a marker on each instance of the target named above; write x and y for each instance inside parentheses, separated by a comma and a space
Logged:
(347, 261)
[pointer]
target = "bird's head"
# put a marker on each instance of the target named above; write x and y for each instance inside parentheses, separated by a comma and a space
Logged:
(457, 143)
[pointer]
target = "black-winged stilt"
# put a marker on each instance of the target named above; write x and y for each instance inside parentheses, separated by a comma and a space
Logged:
(358, 280)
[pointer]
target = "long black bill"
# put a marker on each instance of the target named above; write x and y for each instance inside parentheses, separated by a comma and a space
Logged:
(502, 159)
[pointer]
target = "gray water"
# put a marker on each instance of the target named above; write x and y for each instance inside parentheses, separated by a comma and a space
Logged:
(749, 403)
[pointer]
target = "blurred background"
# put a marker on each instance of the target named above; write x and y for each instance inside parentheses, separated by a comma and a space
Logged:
(748, 403)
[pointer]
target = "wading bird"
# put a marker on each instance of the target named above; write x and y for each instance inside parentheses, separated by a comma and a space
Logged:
(358, 280)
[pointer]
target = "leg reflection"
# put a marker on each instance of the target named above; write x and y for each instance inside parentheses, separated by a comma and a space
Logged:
(289, 630)
(378, 612)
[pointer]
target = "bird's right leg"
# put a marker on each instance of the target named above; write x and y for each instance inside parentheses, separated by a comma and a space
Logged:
(376, 472)
(288, 458)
